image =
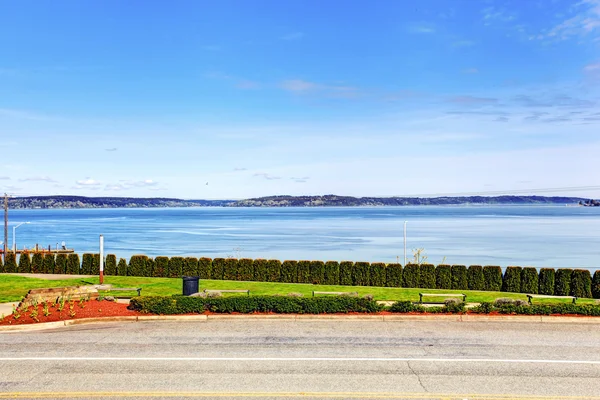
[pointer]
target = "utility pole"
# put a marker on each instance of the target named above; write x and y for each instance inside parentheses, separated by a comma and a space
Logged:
(5, 225)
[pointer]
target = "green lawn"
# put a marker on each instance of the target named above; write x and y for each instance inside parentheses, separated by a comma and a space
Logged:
(13, 287)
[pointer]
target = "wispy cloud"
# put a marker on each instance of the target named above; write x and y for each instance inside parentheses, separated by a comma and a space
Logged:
(87, 182)
(557, 100)
(266, 176)
(300, 180)
(584, 23)
(421, 28)
(111, 149)
(293, 36)
(463, 43)
(240, 169)
(472, 100)
(128, 184)
(299, 86)
(240, 83)
(38, 179)
(491, 15)
(4, 178)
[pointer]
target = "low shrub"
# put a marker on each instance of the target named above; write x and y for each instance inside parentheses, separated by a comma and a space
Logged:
(73, 264)
(37, 263)
(483, 308)
(346, 268)
(218, 268)
(137, 265)
(410, 276)
(60, 264)
(230, 269)
(475, 278)
(454, 306)
(405, 307)
(204, 268)
(562, 283)
(260, 269)
(596, 285)
(427, 276)
(492, 278)
(581, 283)
(546, 281)
(393, 275)
(273, 270)
(360, 273)
(332, 273)
(122, 267)
(190, 266)
(512, 280)
(443, 276)
(459, 277)
(529, 280)
(317, 272)
(377, 274)
(245, 269)
(161, 267)
(24, 263)
(49, 262)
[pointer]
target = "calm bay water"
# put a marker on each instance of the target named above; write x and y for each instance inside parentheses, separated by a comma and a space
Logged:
(554, 236)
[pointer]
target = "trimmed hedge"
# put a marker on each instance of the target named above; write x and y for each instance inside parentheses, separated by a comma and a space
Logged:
(37, 263)
(60, 264)
(581, 283)
(317, 272)
(245, 304)
(150, 265)
(176, 267)
(459, 277)
(512, 280)
(346, 273)
(137, 266)
(73, 264)
(393, 275)
(475, 278)
(289, 271)
(546, 281)
(48, 263)
(230, 269)
(304, 271)
(529, 280)
(332, 273)
(427, 278)
(245, 269)
(273, 270)
(562, 283)
(260, 269)
(10, 262)
(218, 268)
(596, 285)
(360, 273)
(110, 266)
(377, 274)
(539, 309)
(190, 266)
(443, 276)
(24, 263)
(161, 267)
(410, 276)
(492, 278)
(86, 263)
(122, 267)
(204, 267)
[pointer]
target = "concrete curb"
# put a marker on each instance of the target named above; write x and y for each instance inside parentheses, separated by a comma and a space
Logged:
(309, 317)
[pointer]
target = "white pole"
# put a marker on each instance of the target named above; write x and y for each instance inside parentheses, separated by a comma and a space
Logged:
(101, 259)
(404, 243)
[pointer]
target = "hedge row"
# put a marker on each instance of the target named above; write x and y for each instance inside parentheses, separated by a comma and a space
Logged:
(561, 282)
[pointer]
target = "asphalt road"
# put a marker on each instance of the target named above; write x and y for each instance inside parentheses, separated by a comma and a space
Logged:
(307, 359)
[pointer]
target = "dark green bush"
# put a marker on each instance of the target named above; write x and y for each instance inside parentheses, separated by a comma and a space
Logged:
(332, 273)
(377, 274)
(562, 283)
(512, 280)
(393, 275)
(547, 281)
(459, 277)
(122, 267)
(24, 263)
(37, 263)
(289, 271)
(245, 269)
(230, 269)
(110, 268)
(48, 263)
(405, 307)
(161, 267)
(190, 266)
(427, 276)
(10, 262)
(454, 306)
(529, 280)
(73, 264)
(443, 276)
(273, 271)
(86, 263)
(475, 278)
(346, 268)
(410, 276)
(304, 271)
(176, 267)
(492, 278)
(260, 269)
(360, 274)
(317, 272)
(96, 264)
(137, 265)
(581, 283)
(60, 265)
(596, 285)
(218, 268)
(150, 265)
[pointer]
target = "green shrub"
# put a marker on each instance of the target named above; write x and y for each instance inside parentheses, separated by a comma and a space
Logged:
(427, 276)
(360, 273)
(547, 281)
(73, 264)
(218, 268)
(289, 271)
(110, 267)
(190, 266)
(317, 272)
(459, 277)
(492, 278)
(122, 267)
(37, 263)
(404, 307)
(410, 276)
(24, 263)
(562, 283)
(60, 265)
(2, 270)
(150, 265)
(161, 267)
(304, 271)
(393, 275)
(245, 269)
(332, 273)
(10, 262)
(230, 269)
(346, 268)
(475, 278)
(596, 285)
(48, 263)
(273, 271)
(443, 277)
(137, 265)
(512, 280)
(86, 263)
(176, 267)
(454, 306)
(377, 274)
(581, 283)
(260, 270)
(529, 280)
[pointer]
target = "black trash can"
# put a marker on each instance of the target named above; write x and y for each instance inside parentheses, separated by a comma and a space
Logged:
(190, 285)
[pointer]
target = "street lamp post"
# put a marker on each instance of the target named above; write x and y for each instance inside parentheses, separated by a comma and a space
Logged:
(14, 235)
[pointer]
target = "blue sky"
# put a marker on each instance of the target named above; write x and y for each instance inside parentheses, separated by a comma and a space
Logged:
(237, 99)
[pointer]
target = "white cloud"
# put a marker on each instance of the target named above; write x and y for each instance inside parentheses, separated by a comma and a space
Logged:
(88, 182)
(4, 178)
(38, 179)
(267, 176)
(586, 22)
(111, 149)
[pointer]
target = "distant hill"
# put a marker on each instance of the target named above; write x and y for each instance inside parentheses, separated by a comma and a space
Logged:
(282, 201)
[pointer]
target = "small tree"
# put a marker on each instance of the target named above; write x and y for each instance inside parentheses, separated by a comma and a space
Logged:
(581, 283)
(410, 276)
(443, 277)
(60, 265)
(176, 267)
(190, 266)
(150, 264)
(360, 274)
(10, 263)
(260, 269)
(230, 269)
(459, 277)
(332, 273)
(427, 276)
(346, 268)
(475, 278)
(303, 271)
(273, 270)
(86, 263)
(161, 267)
(529, 280)
(137, 265)
(245, 269)
(596, 285)
(317, 272)
(377, 274)
(512, 280)
(48, 263)
(24, 263)
(122, 267)
(37, 263)
(562, 284)
(492, 278)
(73, 264)
(289, 271)
(393, 275)
(111, 265)
(546, 281)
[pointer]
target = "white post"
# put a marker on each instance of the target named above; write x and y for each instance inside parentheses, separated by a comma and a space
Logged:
(404, 243)
(101, 259)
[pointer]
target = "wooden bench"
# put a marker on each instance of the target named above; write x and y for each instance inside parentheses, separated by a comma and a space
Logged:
(138, 290)
(464, 296)
(335, 293)
(227, 291)
(547, 296)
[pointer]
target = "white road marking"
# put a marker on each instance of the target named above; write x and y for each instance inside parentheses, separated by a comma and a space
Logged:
(328, 359)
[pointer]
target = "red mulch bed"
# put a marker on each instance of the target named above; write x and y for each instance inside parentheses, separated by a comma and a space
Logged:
(73, 310)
